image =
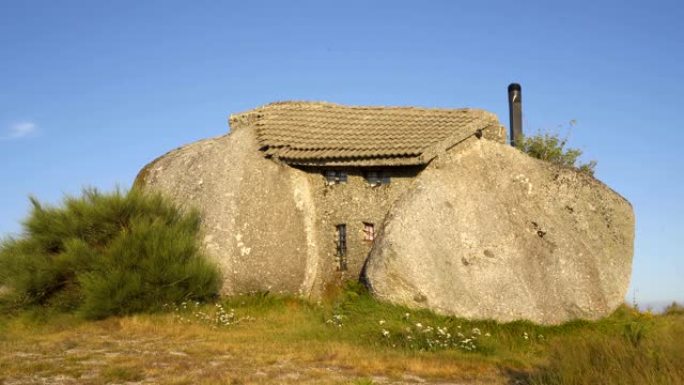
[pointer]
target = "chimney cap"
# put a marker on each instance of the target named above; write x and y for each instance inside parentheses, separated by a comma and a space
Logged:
(514, 87)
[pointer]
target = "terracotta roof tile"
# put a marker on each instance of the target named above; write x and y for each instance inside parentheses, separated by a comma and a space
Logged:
(316, 133)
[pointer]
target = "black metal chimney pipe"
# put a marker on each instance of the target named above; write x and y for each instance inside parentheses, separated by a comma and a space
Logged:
(515, 112)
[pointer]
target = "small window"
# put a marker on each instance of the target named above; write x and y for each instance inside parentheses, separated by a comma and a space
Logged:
(341, 246)
(335, 177)
(376, 178)
(373, 178)
(368, 232)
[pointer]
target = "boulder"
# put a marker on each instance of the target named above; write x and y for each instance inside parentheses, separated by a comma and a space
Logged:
(487, 232)
(253, 210)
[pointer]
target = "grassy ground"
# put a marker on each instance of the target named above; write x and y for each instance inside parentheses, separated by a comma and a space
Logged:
(353, 339)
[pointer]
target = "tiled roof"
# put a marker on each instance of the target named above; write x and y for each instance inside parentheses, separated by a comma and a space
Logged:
(315, 133)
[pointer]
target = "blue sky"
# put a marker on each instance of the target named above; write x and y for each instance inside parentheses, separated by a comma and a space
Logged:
(90, 91)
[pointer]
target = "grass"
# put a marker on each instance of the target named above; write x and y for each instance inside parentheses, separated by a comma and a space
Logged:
(122, 374)
(269, 339)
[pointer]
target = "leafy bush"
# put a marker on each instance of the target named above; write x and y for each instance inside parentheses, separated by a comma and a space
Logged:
(107, 254)
(551, 148)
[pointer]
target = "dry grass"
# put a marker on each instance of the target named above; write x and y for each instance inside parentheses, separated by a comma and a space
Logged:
(274, 340)
(158, 349)
(651, 352)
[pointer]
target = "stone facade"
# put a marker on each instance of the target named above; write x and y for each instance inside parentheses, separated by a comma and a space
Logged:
(355, 204)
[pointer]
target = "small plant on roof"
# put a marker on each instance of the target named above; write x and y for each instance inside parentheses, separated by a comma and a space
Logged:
(551, 147)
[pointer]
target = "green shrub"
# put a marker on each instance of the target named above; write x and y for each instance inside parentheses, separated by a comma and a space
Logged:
(551, 148)
(107, 254)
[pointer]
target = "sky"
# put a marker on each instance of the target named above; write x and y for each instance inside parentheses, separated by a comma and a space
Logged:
(90, 91)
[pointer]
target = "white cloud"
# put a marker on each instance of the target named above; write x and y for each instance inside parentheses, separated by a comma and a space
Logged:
(20, 130)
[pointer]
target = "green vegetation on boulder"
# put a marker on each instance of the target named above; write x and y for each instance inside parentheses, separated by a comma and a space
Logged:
(106, 254)
(552, 148)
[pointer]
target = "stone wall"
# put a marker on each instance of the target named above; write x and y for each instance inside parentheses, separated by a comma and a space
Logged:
(353, 203)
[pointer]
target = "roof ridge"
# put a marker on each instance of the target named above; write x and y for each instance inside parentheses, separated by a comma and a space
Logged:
(312, 104)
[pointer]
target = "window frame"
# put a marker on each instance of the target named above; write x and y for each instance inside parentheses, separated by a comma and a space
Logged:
(335, 177)
(341, 243)
(368, 232)
(376, 178)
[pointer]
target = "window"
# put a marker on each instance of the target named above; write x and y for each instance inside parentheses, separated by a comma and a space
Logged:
(335, 177)
(368, 232)
(376, 178)
(373, 178)
(341, 246)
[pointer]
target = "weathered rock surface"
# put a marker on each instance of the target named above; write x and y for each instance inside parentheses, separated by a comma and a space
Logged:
(488, 232)
(252, 210)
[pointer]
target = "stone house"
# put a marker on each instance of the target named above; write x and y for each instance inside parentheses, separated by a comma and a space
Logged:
(359, 161)
(431, 207)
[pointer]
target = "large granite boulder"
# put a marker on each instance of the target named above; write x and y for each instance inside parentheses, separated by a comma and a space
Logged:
(254, 211)
(488, 232)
